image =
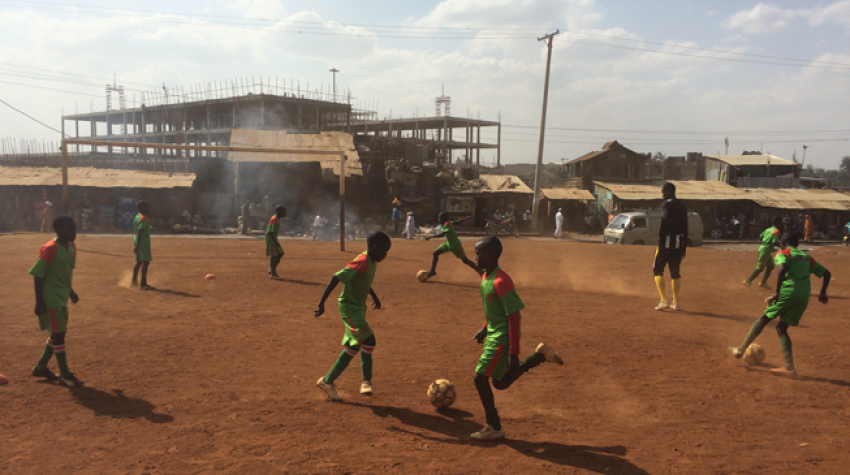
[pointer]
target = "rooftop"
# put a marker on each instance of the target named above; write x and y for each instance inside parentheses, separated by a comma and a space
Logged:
(685, 190)
(752, 160)
(94, 177)
(566, 194)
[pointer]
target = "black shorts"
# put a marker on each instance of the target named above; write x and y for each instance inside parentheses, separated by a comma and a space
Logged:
(665, 257)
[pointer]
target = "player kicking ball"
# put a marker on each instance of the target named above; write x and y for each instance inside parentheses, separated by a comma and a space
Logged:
(793, 289)
(500, 335)
(273, 248)
(769, 240)
(356, 278)
(452, 244)
(53, 273)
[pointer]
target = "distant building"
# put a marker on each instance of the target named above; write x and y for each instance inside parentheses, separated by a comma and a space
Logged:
(614, 163)
(752, 170)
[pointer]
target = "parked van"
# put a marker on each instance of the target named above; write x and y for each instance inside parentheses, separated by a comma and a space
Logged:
(642, 228)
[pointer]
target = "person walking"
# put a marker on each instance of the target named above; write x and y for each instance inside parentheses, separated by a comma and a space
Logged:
(47, 217)
(246, 217)
(559, 224)
(410, 225)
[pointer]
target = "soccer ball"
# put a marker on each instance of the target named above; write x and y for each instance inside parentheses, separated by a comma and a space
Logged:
(422, 275)
(754, 354)
(441, 393)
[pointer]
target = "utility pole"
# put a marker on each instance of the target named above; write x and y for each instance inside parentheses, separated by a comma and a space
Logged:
(334, 71)
(535, 207)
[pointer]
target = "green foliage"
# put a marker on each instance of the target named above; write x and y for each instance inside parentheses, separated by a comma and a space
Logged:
(659, 157)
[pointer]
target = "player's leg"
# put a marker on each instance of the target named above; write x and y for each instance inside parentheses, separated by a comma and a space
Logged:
(755, 331)
(768, 268)
(542, 354)
(135, 281)
(326, 383)
(144, 282)
(366, 364)
(675, 264)
(66, 377)
(40, 370)
(785, 344)
(658, 273)
(471, 264)
(444, 248)
(493, 363)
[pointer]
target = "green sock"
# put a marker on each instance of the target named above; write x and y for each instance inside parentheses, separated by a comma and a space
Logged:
(533, 360)
(339, 367)
(366, 366)
(753, 276)
(62, 359)
(493, 419)
(45, 356)
(755, 331)
(785, 344)
(767, 272)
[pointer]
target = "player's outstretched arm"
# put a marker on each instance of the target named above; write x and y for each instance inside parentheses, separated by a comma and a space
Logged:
(823, 298)
(331, 286)
(376, 302)
(435, 236)
(40, 306)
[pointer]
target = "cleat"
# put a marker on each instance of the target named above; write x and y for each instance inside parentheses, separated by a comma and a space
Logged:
(366, 388)
(675, 307)
(489, 433)
(70, 380)
(329, 389)
(432, 274)
(44, 373)
(746, 283)
(146, 287)
(736, 352)
(762, 285)
(662, 306)
(275, 277)
(549, 353)
(790, 373)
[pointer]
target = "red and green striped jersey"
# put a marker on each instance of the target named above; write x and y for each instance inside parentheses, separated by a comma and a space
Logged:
(357, 279)
(769, 238)
(55, 266)
(141, 223)
(798, 267)
(500, 301)
(451, 235)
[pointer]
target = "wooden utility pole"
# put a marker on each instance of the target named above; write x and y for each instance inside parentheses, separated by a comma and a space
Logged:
(535, 207)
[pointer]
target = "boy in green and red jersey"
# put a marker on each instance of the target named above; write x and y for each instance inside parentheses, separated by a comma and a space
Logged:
(142, 245)
(769, 240)
(53, 273)
(793, 289)
(452, 244)
(500, 358)
(356, 278)
(273, 247)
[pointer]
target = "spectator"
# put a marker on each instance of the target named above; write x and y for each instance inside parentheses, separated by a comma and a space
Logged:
(47, 217)
(559, 224)
(800, 226)
(809, 228)
(411, 226)
(246, 217)
(526, 219)
(396, 216)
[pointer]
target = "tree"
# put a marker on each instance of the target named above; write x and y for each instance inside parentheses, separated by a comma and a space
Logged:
(845, 164)
(659, 157)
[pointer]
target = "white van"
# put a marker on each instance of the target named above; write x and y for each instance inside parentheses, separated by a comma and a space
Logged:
(642, 228)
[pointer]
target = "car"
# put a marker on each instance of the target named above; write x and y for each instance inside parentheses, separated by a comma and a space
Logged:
(640, 227)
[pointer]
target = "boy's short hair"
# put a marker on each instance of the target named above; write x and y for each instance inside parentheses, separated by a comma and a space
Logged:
(669, 187)
(492, 244)
(444, 216)
(61, 221)
(279, 209)
(378, 238)
(791, 239)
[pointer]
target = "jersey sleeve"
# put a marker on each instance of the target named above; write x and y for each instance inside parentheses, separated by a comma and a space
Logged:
(143, 223)
(45, 259)
(781, 258)
(817, 269)
(505, 290)
(356, 267)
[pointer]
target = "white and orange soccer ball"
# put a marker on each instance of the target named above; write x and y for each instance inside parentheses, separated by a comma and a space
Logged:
(422, 275)
(754, 354)
(442, 393)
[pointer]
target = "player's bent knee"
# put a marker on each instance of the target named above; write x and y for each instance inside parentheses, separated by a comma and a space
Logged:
(781, 328)
(57, 338)
(351, 350)
(481, 380)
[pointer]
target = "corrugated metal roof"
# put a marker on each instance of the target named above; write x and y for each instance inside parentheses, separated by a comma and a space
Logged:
(94, 177)
(332, 141)
(566, 194)
(685, 190)
(490, 184)
(789, 198)
(587, 156)
(751, 160)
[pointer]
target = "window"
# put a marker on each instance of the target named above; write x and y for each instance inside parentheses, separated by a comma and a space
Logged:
(639, 223)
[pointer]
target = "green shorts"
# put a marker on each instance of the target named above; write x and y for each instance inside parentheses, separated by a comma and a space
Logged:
(494, 361)
(765, 260)
(456, 249)
(144, 254)
(273, 249)
(789, 308)
(54, 320)
(356, 329)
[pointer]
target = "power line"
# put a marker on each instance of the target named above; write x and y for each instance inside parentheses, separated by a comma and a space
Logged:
(53, 71)
(31, 117)
(724, 132)
(50, 89)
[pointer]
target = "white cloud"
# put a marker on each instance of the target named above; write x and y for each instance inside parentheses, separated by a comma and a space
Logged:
(768, 17)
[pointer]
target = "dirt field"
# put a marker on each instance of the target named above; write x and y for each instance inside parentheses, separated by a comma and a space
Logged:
(201, 377)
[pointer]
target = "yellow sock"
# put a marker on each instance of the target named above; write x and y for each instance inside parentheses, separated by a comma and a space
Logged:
(659, 284)
(677, 285)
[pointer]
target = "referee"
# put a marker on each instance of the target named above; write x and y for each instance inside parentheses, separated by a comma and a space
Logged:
(672, 243)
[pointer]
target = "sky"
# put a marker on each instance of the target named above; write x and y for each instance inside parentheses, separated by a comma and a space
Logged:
(659, 76)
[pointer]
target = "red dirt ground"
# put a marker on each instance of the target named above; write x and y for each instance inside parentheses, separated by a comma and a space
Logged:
(202, 377)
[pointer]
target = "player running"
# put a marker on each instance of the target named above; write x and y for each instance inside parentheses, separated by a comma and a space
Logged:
(142, 246)
(502, 332)
(793, 289)
(53, 273)
(769, 240)
(356, 278)
(672, 244)
(452, 244)
(273, 248)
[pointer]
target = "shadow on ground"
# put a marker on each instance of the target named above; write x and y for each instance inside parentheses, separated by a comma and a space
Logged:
(116, 405)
